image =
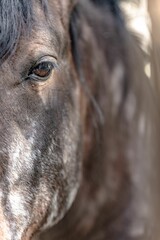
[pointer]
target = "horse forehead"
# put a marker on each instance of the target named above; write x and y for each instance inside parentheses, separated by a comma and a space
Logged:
(47, 29)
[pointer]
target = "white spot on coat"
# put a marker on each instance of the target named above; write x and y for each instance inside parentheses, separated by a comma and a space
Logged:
(17, 204)
(53, 212)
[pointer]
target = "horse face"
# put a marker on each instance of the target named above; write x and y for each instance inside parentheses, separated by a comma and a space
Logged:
(40, 129)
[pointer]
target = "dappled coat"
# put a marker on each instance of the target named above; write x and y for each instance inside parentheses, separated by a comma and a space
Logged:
(79, 125)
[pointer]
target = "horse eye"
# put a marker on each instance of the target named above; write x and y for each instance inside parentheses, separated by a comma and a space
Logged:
(41, 71)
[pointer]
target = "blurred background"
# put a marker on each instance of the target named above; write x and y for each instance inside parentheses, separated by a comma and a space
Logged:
(143, 21)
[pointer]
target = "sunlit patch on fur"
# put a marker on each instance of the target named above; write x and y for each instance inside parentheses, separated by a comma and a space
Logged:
(142, 124)
(17, 201)
(116, 85)
(20, 155)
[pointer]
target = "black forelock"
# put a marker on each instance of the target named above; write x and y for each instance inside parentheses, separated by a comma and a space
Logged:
(16, 16)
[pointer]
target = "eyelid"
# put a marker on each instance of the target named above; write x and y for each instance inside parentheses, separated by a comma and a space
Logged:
(47, 58)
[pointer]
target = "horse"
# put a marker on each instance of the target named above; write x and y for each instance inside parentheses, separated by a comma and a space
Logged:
(79, 125)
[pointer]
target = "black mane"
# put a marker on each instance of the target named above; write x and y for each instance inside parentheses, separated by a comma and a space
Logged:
(102, 7)
(15, 17)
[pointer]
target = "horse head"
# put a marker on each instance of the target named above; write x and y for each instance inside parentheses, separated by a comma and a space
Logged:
(41, 130)
(78, 124)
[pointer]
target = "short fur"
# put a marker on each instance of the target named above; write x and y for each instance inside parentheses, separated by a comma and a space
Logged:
(79, 151)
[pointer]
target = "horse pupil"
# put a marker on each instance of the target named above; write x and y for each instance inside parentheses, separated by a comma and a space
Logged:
(42, 69)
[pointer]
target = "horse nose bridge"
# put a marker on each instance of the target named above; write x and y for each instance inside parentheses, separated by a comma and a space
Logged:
(7, 234)
(5, 136)
(4, 120)
(2, 126)
(4, 227)
(14, 218)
